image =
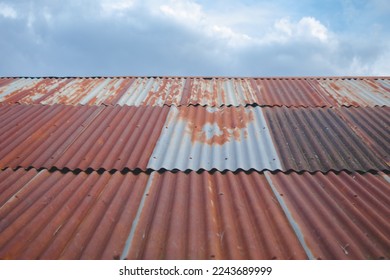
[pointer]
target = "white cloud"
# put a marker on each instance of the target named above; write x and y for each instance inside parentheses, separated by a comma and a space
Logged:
(7, 11)
(306, 28)
(118, 7)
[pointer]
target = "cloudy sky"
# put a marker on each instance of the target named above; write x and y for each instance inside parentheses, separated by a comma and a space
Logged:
(194, 37)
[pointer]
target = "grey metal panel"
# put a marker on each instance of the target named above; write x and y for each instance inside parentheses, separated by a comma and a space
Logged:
(215, 138)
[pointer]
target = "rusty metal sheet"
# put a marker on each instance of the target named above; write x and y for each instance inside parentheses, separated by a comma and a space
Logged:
(340, 216)
(153, 92)
(184, 91)
(317, 139)
(50, 215)
(208, 138)
(212, 216)
(217, 92)
(372, 125)
(46, 215)
(356, 92)
(79, 137)
(289, 92)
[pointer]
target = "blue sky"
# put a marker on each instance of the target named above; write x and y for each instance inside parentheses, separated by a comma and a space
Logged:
(194, 38)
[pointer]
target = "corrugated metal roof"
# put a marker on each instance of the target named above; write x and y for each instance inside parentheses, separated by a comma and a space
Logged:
(318, 139)
(79, 137)
(51, 215)
(226, 138)
(192, 138)
(341, 216)
(351, 92)
(159, 91)
(302, 124)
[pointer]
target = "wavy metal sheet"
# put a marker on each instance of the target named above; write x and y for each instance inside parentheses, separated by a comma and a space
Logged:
(79, 137)
(351, 92)
(212, 216)
(318, 139)
(341, 216)
(47, 215)
(216, 92)
(163, 216)
(372, 125)
(225, 138)
(291, 92)
(51, 215)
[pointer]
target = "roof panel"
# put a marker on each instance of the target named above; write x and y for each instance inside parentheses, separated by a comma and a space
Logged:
(51, 215)
(372, 125)
(291, 92)
(225, 138)
(79, 137)
(66, 216)
(341, 216)
(216, 92)
(212, 216)
(351, 92)
(317, 139)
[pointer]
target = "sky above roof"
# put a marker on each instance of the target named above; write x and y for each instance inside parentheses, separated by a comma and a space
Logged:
(194, 38)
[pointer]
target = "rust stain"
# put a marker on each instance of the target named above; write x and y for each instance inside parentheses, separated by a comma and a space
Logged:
(118, 93)
(153, 97)
(217, 127)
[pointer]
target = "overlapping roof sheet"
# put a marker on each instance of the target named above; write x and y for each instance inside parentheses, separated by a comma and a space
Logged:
(193, 138)
(195, 168)
(193, 215)
(181, 91)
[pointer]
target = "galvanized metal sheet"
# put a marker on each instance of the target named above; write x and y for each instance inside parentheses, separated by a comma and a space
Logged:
(46, 215)
(212, 216)
(359, 92)
(184, 91)
(52, 215)
(318, 139)
(372, 125)
(226, 138)
(340, 216)
(153, 92)
(291, 92)
(79, 137)
(163, 216)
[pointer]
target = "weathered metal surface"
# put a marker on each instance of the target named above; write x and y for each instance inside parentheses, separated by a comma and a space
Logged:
(225, 138)
(162, 216)
(219, 91)
(153, 92)
(46, 215)
(318, 139)
(51, 215)
(291, 92)
(341, 216)
(372, 125)
(212, 216)
(184, 91)
(79, 137)
(359, 92)
(192, 138)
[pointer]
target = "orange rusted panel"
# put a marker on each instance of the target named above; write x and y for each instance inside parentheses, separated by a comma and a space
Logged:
(80, 137)
(340, 216)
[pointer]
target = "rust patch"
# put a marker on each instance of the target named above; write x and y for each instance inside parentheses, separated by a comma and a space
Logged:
(218, 126)
(334, 86)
